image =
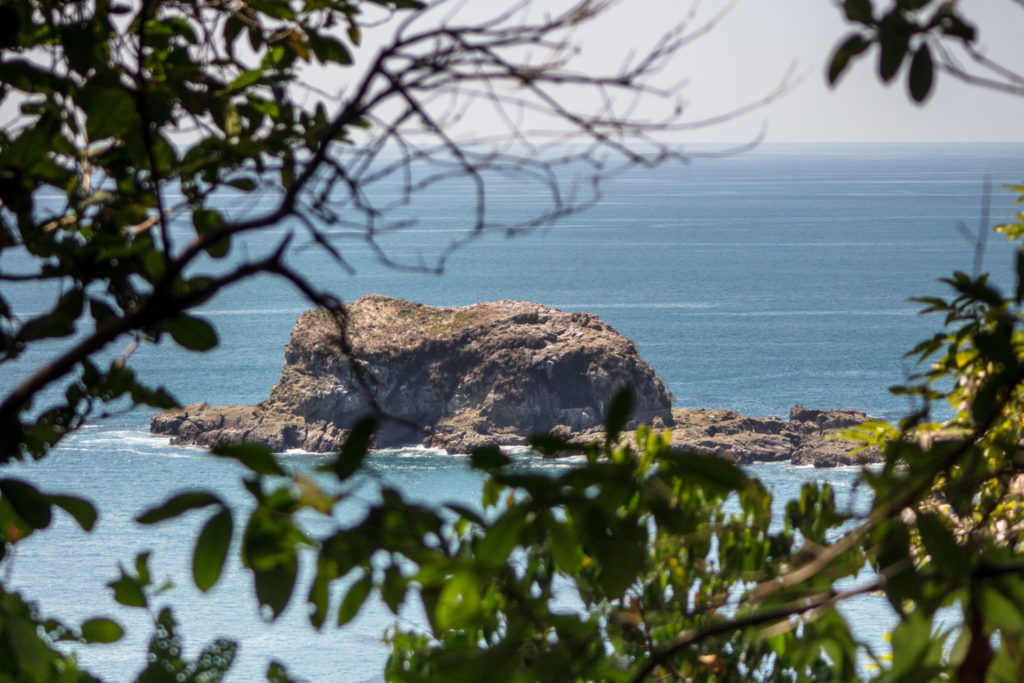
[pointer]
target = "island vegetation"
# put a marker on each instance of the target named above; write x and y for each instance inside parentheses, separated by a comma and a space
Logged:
(679, 569)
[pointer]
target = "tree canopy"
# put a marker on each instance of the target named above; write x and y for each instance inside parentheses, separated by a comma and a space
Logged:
(680, 572)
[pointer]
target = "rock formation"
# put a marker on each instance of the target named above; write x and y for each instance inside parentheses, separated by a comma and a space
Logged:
(807, 438)
(448, 377)
(456, 378)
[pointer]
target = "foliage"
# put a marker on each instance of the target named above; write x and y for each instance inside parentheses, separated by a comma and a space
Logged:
(930, 36)
(642, 563)
(128, 126)
(648, 563)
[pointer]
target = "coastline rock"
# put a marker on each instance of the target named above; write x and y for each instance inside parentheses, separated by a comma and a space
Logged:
(811, 421)
(807, 438)
(449, 378)
(490, 373)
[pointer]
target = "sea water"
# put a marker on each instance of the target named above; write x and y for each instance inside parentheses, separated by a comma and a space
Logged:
(752, 282)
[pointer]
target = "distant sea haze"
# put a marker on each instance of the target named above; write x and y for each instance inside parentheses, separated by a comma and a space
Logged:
(753, 283)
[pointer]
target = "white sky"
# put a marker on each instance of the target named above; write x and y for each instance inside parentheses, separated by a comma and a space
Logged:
(757, 42)
(750, 51)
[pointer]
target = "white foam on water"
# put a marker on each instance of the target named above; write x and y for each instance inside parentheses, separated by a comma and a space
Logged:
(415, 452)
(640, 305)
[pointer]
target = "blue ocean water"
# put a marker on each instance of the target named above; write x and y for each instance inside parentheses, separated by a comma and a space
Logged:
(752, 282)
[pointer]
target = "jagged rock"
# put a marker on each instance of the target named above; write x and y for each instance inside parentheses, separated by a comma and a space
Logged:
(491, 373)
(806, 439)
(810, 420)
(821, 451)
(450, 377)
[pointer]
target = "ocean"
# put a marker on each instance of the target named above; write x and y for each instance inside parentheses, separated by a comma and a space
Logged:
(752, 282)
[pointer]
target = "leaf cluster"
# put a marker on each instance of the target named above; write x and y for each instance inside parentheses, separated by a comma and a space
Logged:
(946, 526)
(639, 562)
(136, 119)
(905, 31)
(120, 103)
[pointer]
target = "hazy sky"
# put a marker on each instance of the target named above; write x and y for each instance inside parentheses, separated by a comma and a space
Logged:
(758, 41)
(750, 51)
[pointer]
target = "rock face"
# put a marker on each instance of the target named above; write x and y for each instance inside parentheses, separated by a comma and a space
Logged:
(807, 438)
(450, 377)
(457, 378)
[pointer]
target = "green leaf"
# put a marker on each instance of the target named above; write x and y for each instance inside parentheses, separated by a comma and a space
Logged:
(948, 557)
(277, 673)
(565, 547)
(921, 71)
(1000, 608)
(111, 112)
(101, 630)
(354, 599)
(27, 502)
(256, 457)
(393, 588)
(489, 458)
(244, 80)
(467, 513)
(176, 505)
(59, 323)
(495, 547)
(327, 49)
(894, 551)
(142, 567)
(82, 510)
(277, 9)
(620, 560)
(708, 470)
(191, 333)
(212, 550)
(275, 584)
(1004, 668)
(988, 398)
(154, 398)
(617, 415)
(491, 493)
(850, 48)
(1019, 296)
(243, 184)
(214, 661)
(29, 149)
(206, 221)
(997, 345)
(915, 652)
(548, 444)
(318, 591)
(858, 10)
(893, 49)
(355, 448)
(459, 600)
(128, 592)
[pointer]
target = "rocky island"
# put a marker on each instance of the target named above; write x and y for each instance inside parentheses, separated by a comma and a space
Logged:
(457, 378)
